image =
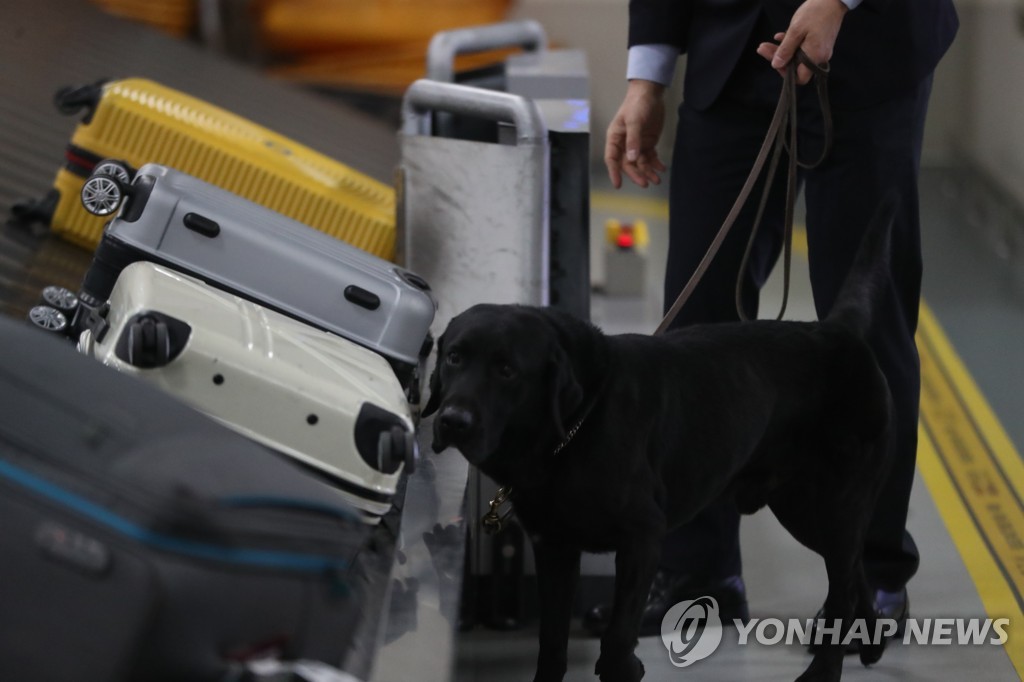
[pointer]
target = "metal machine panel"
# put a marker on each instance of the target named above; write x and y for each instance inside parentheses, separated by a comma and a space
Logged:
(473, 216)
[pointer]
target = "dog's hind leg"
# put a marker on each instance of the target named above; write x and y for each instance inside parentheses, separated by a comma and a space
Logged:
(833, 528)
(840, 605)
(635, 565)
(558, 569)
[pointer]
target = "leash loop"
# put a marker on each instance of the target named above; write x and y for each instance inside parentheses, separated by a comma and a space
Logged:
(776, 142)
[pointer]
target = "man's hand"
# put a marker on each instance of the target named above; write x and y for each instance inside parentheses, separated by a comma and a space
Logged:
(813, 28)
(630, 145)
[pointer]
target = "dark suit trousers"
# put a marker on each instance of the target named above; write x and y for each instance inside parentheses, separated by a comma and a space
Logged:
(876, 150)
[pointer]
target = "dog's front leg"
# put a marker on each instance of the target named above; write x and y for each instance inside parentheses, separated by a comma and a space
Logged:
(635, 565)
(558, 568)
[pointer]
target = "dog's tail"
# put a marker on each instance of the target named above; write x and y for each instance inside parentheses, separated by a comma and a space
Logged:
(870, 270)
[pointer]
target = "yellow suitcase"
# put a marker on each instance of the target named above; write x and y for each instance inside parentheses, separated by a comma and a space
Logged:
(138, 121)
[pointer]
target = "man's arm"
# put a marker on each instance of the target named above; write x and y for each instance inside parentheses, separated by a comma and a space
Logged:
(632, 137)
(657, 34)
(659, 22)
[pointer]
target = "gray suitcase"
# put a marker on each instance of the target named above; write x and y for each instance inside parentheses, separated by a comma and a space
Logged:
(177, 220)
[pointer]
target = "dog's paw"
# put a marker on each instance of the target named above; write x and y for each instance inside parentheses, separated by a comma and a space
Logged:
(871, 653)
(818, 676)
(548, 677)
(550, 670)
(823, 670)
(628, 669)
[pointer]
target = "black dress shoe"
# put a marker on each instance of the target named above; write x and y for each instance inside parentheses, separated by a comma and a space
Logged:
(890, 605)
(894, 605)
(667, 590)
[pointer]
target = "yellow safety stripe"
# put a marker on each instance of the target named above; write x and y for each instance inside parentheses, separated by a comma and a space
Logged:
(975, 476)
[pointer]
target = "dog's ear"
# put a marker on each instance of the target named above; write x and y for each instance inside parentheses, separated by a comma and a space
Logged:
(566, 392)
(435, 382)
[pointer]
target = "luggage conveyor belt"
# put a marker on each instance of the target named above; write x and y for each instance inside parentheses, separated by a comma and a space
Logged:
(409, 625)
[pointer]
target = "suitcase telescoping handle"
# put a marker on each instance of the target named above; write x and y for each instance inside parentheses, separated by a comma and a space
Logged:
(446, 45)
(425, 96)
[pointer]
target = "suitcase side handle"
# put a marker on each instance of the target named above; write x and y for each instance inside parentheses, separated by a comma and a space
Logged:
(425, 96)
(446, 45)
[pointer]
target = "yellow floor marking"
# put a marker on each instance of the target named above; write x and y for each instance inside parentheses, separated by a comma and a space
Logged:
(800, 240)
(628, 206)
(976, 477)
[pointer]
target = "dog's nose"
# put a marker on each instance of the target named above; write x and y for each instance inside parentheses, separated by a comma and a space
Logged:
(456, 420)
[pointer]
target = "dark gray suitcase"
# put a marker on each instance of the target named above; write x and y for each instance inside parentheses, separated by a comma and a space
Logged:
(140, 540)
(234, 244)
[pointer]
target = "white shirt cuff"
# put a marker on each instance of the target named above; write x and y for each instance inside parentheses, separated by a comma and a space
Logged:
(852, 4)
(655, 63)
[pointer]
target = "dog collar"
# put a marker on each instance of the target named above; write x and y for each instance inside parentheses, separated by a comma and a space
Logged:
(571, 432)
(494, 520)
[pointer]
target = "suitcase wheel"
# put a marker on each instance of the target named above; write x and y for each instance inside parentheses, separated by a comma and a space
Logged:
(149, 344)
(61, 298)
(395, 447)
(102, 194)
(413, 279)
(49, 319)
(410, 450)
(116, 169)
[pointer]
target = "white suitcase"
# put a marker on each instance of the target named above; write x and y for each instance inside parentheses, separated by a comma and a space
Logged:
(312, 395)
(175, 219)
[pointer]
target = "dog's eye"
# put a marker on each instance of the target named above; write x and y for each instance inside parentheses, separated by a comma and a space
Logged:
(505, 370)
(454, 358)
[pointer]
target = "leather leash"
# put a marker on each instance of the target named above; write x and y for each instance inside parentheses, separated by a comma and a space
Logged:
(785, 117)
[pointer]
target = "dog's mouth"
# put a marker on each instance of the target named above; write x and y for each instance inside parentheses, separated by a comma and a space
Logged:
(459, 428)
(469, 447)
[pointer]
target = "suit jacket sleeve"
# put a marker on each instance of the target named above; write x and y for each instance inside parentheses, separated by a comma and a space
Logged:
(664, 22)
(874, 5)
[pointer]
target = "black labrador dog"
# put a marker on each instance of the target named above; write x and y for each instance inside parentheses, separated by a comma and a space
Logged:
(608, 441)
